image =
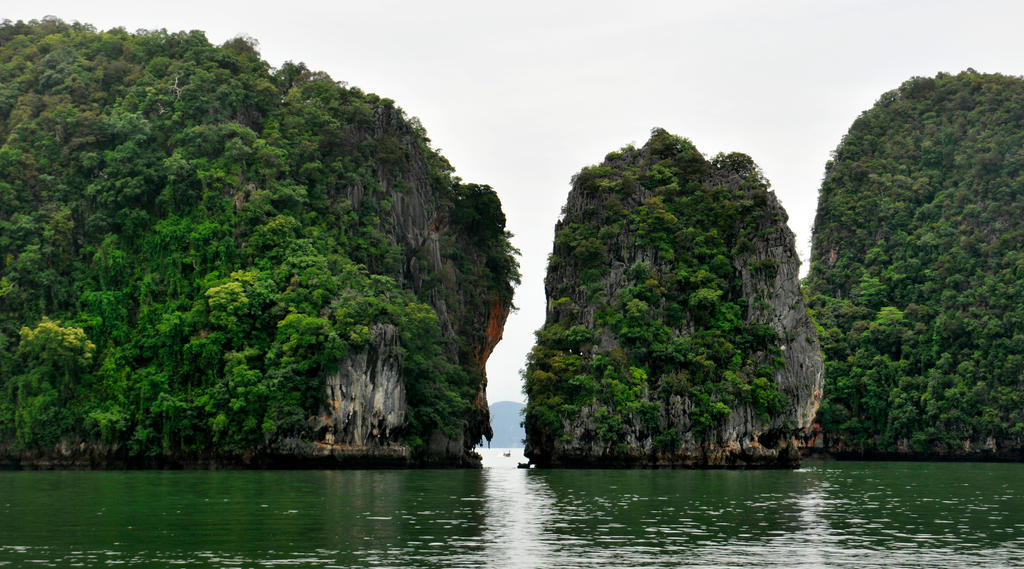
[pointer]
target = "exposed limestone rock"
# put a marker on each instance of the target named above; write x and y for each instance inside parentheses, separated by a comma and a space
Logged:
(366, 397)
(802, 377)
(365, 400)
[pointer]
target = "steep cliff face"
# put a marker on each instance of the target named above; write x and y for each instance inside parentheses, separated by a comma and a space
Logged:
(916, 274)
(208, 261)
(366, 396)
(367, 405)
(774, 298)
(676, 333)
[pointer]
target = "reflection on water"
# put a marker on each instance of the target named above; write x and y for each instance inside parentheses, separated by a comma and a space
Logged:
(805, 547)
(824, 515)
(518, 507)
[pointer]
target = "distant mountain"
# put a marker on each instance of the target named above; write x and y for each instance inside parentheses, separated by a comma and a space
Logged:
(506, 420)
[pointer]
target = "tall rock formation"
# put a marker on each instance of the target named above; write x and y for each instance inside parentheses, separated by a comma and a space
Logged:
(676, 333)
(917, 277)
(208, 261)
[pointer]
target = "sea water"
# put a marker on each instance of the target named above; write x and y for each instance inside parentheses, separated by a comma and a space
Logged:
(826, 514)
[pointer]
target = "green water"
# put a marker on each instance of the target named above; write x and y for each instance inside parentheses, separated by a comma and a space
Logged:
(824, 515)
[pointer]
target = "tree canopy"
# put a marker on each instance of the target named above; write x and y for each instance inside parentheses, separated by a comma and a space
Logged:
(917, 277)
(191, 239)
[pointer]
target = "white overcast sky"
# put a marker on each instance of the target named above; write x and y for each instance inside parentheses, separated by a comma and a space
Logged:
(521, 95)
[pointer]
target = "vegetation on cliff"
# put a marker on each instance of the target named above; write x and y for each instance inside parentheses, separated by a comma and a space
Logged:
(190, 240)
(661, 334)
(917, 273)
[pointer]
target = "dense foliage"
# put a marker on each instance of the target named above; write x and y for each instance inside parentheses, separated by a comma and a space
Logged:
(646, 300)
(190, 240)
(917, 274)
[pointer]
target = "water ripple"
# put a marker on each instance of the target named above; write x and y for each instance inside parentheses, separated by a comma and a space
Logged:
(824, 515)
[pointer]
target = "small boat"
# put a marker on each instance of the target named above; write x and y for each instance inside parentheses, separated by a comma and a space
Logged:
(507, 453)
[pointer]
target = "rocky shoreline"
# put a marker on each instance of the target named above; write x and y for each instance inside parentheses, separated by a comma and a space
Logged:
(300, 455)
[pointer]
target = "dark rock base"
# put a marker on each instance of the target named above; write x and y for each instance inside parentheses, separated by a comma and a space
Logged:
(784, 456)
(307, 456)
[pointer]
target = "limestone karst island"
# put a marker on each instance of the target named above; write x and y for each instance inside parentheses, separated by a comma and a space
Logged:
(676, 333)
(209, 262)
(917, 275)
